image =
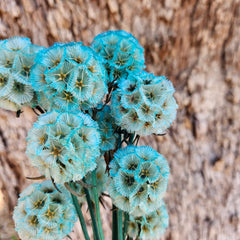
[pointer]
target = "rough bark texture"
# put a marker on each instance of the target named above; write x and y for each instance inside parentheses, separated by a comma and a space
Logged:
(195, 43)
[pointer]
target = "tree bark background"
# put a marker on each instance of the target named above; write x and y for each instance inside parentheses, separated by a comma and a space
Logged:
(196, 44)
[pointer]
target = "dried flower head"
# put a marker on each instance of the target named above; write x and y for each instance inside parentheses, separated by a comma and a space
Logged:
(44, 213)
(64, 145)
(144, 104)
(69, 76)
(121, 51)
(139, 177)
(17, 56)
(150, 226)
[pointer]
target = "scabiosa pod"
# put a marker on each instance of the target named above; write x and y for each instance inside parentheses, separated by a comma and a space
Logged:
(69, 77)
(64, 145)
(17, 55)
(16, 44)
(144, 104)
(139, 177)
(122, 53)
(44, 213)
(150, 226)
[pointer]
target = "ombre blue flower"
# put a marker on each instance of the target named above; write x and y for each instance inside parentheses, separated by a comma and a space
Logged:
(64, 145)
(44, 213)
(6, 58)
(16, 44)
(17, 56)
(70, 76)
(20, 93)
(139, 177)
(122, 53)
(22, 67)
(150, 226)
(144, 104)
(6, 82)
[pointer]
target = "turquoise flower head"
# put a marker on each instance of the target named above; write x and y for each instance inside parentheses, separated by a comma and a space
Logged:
(144, 104)
(69, 77)
(17, 55)
(64, 145)
(122, 53)
(44, 213)
(139, 177)
(150, 226)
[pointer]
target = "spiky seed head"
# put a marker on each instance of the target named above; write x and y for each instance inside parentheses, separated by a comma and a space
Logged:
(139, 177)
(64, 145)
(42, 211)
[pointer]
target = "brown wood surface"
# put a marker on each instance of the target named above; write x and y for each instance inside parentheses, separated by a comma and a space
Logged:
(195, 43)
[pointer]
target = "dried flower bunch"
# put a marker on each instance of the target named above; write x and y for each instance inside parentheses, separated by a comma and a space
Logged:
(93, 105)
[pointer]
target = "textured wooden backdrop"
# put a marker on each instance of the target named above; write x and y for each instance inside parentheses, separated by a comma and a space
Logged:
(195, 43)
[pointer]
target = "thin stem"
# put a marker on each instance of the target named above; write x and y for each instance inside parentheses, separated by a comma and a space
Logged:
(116, 215)
(36, 178)
(119, 218)
(54, 184)
(35, 112)
(108, 97)
(119, 141)
(94, 222)
(131, 137)
(40, 109)
(80, 216)
(129, 238)
(96, 200)
(114, 223)
(125, 224)
(69, 188)
(136, 140)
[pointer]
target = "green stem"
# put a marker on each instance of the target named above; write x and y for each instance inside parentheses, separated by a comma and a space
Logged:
(80, 216)
(114, 223)
(94, 222)
(119, 223)
(131, 138)
(119, 141)
(96, 200)
(125, 224)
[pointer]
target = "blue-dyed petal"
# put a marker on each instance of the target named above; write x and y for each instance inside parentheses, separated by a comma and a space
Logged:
(16, 43)
(20, 93)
